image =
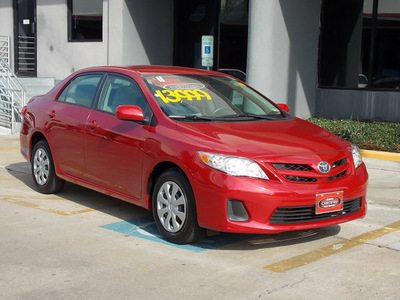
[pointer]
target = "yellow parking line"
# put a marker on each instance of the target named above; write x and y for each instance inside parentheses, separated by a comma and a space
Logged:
(19, 200)
(47, 209)
(318, 254)
(20, 174)
(9, 148)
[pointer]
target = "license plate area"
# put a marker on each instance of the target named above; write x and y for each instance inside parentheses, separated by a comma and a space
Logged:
(329, 202)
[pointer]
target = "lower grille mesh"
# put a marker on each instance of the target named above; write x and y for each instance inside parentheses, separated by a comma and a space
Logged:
(303, 214)
(300, 179)
(341, 174)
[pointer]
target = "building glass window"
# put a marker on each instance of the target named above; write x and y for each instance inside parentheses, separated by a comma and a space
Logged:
(85, 20)
(360, 44)
(386, 59)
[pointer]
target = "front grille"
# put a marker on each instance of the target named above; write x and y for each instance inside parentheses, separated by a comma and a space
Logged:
(292, 167)
(341, 174)
(300, 179)
(303, 214)
(339, 163)
(306, 173)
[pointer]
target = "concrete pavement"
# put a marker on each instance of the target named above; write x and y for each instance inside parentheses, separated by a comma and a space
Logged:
(75, 245)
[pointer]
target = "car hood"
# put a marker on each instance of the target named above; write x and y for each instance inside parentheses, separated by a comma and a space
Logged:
(262, 138)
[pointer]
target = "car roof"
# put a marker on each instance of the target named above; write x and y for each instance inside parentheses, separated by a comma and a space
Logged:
(151, 70)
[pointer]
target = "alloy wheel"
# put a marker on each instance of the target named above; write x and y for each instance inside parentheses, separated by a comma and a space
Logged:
(171, 206)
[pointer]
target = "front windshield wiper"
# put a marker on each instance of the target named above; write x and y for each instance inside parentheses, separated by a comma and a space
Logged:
(192, 117)
(240, 116)
(255, 116)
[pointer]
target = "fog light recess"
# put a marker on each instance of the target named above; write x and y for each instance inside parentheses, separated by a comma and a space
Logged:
(236, 211)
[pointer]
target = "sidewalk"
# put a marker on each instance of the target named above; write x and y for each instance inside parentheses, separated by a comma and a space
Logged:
(384, 182)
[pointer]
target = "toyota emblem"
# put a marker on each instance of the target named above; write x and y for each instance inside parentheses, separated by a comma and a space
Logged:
(324, 167)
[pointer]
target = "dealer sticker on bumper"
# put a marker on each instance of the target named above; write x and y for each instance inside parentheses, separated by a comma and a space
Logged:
(329, 202)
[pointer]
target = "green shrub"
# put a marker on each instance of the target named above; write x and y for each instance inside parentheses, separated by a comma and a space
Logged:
(371, 135)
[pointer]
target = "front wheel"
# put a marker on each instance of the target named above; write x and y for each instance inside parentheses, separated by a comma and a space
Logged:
(174, 208)
(43, 172)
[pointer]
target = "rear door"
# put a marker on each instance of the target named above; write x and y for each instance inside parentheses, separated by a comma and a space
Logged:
(67, 123)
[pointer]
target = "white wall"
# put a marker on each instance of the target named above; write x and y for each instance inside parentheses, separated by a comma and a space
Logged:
(56, 57)
(283, 51)
(7, 25)
(134, 32)
(141, 32)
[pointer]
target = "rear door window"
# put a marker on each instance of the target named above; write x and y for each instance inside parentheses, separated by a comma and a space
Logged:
(81, 91)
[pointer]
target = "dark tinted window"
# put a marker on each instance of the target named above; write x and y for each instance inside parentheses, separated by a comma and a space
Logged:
(85, 20)
(360, 44)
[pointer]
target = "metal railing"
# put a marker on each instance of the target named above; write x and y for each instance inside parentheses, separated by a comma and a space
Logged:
(12, 96)
(5, 48)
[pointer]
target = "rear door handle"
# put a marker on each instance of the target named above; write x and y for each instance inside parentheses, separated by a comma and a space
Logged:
(52, 114)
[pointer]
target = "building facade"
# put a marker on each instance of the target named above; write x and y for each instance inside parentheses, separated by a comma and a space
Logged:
(331, 58)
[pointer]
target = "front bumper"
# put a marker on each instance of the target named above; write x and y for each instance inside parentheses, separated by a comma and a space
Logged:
(262, 199)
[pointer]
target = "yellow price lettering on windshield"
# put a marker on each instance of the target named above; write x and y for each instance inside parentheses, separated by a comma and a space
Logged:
(179, 95)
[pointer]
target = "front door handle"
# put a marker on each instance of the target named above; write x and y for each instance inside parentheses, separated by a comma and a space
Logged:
(95, 128)
(93, 124)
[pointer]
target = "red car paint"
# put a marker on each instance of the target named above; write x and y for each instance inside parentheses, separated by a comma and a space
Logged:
(118, 157)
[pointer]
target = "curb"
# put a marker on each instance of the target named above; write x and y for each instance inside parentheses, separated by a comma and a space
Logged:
(381, 155)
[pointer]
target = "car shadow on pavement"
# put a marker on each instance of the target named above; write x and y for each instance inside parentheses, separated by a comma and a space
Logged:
(77, 199)
(138, 222)
(145, 228)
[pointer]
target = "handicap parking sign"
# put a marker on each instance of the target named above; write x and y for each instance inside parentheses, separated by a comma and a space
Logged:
(207, 49)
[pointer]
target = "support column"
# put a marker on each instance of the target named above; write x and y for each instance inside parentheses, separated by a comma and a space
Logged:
(283, 51)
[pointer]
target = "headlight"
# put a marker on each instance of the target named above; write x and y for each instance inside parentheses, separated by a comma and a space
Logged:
(357, 158)
(232, 165)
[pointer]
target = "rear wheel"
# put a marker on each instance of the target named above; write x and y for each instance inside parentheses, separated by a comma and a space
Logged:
(174, 208)
(42, 165)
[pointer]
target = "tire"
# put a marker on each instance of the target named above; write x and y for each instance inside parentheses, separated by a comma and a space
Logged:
(43, 172)
(174, 208)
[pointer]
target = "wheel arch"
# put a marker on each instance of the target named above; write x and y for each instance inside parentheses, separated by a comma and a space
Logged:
(155, 173)
(36, 137)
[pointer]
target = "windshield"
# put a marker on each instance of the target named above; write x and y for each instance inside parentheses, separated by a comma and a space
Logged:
(206, 97)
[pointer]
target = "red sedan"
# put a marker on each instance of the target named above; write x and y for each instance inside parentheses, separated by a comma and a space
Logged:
(199, 149)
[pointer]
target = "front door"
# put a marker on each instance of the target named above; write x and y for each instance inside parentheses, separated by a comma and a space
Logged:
(114, 148)
(25, 37)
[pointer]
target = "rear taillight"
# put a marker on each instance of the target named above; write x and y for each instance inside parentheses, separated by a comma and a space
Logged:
(23, 111)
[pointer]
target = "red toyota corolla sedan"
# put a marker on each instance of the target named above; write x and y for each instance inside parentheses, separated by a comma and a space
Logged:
(199, 149)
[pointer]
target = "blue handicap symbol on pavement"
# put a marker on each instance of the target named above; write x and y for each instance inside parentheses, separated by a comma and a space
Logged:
(145, 228)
